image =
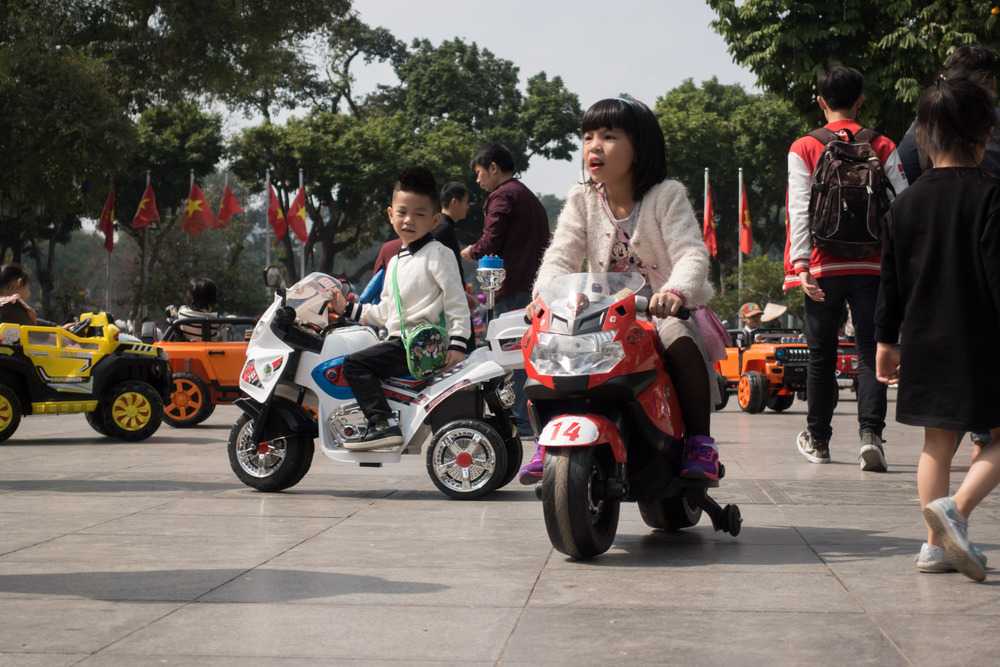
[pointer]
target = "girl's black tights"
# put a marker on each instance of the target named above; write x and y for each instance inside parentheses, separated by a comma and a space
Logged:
(686, 366)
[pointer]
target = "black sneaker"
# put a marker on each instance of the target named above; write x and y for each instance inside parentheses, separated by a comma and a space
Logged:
(379, 436)
(872, 453)
(817, 451)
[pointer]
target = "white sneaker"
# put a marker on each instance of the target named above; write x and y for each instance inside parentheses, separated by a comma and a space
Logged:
(952, 529)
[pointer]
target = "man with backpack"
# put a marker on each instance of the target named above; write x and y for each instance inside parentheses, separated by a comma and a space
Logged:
(841, 179)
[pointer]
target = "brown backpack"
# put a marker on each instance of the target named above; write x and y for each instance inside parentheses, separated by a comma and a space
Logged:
(848, 195)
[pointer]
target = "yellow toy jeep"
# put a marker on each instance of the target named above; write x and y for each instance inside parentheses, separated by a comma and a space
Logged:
(120, 383)
(767, 373)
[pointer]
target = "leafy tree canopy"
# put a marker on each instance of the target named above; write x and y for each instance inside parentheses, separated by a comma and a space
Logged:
(723, 128)
(899, 45)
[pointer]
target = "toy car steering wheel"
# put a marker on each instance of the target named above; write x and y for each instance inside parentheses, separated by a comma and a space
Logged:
(80, 327)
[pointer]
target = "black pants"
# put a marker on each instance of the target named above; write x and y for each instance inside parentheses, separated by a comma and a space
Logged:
(363, 369)
(822, 325)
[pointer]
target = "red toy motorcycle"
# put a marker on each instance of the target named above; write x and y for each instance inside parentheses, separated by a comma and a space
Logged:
(609, 419)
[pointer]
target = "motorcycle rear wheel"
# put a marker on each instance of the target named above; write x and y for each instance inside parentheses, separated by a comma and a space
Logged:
(669, 513)
(579, 517)
(278, 463)
(467, 459)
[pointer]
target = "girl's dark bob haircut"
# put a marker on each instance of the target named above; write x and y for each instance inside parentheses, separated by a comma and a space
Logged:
(640, 125)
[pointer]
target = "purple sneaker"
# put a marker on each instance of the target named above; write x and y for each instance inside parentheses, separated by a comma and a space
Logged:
(701, 460)
(532, 472)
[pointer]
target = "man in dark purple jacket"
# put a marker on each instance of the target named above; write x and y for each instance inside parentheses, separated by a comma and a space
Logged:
(517, 230)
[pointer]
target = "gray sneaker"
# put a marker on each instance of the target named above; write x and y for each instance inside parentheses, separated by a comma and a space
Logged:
(872, 453)
(952, 528)
(817, 451)
(935, 559)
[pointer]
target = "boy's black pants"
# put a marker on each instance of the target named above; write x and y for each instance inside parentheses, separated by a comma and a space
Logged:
(363, 369)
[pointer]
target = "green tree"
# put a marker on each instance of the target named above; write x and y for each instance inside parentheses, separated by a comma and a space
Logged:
(450, 99)
(61, 134)
(723, 128)
(899, 46)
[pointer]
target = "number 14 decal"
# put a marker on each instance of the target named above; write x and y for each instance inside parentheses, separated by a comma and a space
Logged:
(569, 430)
(572, 433)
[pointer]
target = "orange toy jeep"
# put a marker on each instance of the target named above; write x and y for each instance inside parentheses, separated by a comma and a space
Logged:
(206, 371)
(769, 372)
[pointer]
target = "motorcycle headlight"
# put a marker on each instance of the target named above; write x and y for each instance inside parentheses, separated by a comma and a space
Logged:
(586, 354)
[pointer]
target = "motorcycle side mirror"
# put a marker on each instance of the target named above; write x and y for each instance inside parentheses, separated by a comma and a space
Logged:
(273, 277)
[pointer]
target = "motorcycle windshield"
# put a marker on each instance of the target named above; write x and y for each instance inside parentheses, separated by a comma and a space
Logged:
(577, 294)
(310, 295)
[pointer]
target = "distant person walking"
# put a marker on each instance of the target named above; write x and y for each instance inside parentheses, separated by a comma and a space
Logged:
(940, 292)
(830, 280)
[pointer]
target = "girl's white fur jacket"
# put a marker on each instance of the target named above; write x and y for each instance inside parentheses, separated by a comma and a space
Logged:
(667, 238)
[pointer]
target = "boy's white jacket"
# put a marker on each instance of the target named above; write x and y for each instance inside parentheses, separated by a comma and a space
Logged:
(667, 237)
(429, 282)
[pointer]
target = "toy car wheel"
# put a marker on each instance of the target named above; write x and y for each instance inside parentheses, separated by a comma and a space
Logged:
(190, 402)
(467, 459)
(131, 411)
(10, 412)
(278, 463)
(723, 392)
(752, 391)
(96, 423)
(669, 513)
(780, 402)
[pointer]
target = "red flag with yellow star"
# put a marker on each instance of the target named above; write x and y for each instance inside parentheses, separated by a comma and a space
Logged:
(106, 223)
(197, 215)
(708, 227)
(229, 207)
(746, 237)
(276, 217)
(297, 216)
(147, 212)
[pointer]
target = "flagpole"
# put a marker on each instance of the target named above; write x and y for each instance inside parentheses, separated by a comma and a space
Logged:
(107, 292)
(303, 249)
(145, 264)
(267, 231)
(704, 209)
(739, 232)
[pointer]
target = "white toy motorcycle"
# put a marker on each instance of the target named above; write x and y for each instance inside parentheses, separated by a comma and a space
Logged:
(296, 392)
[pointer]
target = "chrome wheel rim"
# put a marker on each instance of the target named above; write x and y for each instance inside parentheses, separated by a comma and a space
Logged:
(259, 459)
(464, 460)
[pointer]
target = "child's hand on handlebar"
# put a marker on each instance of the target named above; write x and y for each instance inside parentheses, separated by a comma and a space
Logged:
(338, 303)
(664, 304)
(529, 310)
(452, 357)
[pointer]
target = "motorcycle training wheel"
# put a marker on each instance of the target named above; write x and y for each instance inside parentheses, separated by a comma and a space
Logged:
(10, 412)
(580, 519)
(467, 459)
(278, 463)
(190, 401)
(131, 411)
(669, 513)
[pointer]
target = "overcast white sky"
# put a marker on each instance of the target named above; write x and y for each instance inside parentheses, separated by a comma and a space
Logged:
(599, 47)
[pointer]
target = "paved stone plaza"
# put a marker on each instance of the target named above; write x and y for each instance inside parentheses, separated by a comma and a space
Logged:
(153, 553)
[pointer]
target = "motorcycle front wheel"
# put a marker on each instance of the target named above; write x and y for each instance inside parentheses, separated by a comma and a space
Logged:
(579, 516)
(278, 463)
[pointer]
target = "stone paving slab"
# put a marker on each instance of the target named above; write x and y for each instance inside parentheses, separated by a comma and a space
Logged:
(153, 553)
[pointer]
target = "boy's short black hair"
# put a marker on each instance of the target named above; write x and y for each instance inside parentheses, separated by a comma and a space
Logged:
(840, 87)
(452, 190)
(418, 179)
(973, 60)
(490, 152)
(202, 294)
(644, 132)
